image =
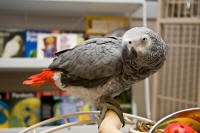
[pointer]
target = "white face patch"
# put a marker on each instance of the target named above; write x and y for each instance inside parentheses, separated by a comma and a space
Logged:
(140, 42)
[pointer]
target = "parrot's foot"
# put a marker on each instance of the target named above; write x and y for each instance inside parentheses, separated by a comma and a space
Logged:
(105, 104)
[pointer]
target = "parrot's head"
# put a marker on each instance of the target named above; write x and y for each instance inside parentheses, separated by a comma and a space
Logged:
(145, 48)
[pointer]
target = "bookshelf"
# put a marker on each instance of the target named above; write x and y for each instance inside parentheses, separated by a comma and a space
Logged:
(26, 9)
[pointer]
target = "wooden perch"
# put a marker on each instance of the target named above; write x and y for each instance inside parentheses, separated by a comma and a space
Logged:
(111, 123)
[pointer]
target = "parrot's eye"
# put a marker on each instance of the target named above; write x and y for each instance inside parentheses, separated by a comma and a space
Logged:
(144, 38)
(129, 42)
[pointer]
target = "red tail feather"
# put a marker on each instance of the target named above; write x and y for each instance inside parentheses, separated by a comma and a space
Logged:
(38, 79)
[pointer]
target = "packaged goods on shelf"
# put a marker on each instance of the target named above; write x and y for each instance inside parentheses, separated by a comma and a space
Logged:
(25, 107)
(22, 109)
(50, 102)
(72, 104)
(48, 45)
(11, 43)
(68, 106)
(68, 41)
(4, 110)
(104, 24)
(31, 37)
(80, 38)
(36, 43)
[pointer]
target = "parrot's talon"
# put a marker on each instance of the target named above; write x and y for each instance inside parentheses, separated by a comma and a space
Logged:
(106, 104)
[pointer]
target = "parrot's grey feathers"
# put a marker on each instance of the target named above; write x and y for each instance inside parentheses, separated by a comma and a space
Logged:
(60, 52)
(95, 59)
(113, 37)
(67, 79)
(102, 68)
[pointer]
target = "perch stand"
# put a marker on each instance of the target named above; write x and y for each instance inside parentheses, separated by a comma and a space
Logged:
(111, 123)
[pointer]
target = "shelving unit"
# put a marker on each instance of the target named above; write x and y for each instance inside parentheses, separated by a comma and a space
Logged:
(65, 8)
(30, 11)
(24, 63)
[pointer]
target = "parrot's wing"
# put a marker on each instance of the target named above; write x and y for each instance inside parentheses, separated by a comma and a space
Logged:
(94, 59)
(89, 42)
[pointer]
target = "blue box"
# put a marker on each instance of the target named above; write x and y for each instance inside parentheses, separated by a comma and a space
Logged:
(31, 37)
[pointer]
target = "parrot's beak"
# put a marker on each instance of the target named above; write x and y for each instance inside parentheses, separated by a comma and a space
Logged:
(133, 52)
(129, 51)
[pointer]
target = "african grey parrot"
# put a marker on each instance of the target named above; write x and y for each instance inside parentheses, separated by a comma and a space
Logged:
(102, 68)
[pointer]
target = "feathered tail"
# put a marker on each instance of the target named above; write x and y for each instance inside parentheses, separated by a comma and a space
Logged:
(39, 79)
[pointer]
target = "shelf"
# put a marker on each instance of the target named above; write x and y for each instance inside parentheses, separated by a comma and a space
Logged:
(72, 7)
(24, 63)
(64, 8)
